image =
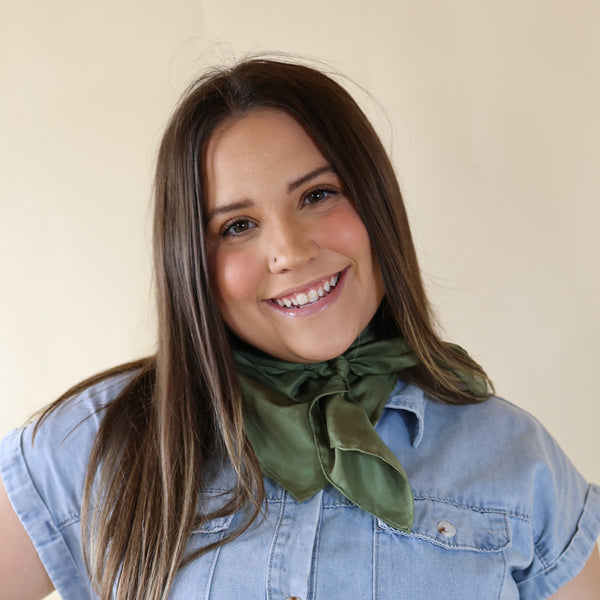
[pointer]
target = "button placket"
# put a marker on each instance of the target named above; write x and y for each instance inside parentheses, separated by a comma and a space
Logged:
(291, 553)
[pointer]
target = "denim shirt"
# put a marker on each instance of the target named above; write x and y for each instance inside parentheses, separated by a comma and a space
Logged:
(500, 513)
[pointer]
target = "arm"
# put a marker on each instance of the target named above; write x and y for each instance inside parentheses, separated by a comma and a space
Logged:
(586, 586)
(22, 574)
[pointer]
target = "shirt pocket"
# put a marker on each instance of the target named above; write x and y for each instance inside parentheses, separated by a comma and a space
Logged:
(452, 551)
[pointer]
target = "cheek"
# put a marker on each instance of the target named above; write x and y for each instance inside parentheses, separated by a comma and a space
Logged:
(349, 235)
(236, 276)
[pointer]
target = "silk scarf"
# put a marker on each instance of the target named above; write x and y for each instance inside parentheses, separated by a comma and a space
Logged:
(314, 424)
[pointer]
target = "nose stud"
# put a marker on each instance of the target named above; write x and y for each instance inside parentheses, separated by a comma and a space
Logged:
(274, 260)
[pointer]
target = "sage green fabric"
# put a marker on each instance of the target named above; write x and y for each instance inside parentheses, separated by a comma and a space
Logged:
(313, 424)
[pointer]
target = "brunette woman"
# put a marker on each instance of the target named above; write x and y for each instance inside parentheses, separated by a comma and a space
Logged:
(302, 431)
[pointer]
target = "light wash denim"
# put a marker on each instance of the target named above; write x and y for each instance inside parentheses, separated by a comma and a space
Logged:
(500, 513)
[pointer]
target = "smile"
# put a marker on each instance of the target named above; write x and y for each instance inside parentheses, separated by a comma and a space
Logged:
(309, 296)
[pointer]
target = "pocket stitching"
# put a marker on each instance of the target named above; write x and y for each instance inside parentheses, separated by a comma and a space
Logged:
(501, 537)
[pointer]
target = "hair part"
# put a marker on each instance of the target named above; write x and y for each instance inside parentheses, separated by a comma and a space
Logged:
(183, 407)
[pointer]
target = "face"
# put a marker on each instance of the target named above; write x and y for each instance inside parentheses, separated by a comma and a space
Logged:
(289, 256)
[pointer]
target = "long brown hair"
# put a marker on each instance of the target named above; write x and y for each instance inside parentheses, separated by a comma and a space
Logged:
(183, 406)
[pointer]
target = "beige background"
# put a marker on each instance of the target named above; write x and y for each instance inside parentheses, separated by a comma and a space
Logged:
(490, 110)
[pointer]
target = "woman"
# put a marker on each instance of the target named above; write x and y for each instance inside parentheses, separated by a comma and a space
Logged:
(242, 460)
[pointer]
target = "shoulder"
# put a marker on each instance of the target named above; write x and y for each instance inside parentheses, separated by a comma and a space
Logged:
(44, 475)
(496, 416)
(494, 458)
(76, 420)
(477, 432)
(504, 444)
(488, 432)
(492, 455)
(52, 454)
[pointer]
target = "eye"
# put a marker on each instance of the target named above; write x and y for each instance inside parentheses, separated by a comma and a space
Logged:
(237, 227)
(317, 195)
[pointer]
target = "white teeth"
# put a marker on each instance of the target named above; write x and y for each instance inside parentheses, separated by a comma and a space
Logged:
(302, 299)
(312, 295)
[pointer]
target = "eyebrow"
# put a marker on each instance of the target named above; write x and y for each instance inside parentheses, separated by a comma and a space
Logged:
(292, 185)
(233, 206)
(296, 183)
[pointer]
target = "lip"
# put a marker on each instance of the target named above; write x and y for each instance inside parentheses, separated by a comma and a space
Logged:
(310, 309)
(305, 287)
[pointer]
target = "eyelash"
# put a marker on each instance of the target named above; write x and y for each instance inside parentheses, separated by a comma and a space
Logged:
(227, 228)
(329, 191)
(248, 224)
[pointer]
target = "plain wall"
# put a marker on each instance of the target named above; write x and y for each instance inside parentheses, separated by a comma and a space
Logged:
(490, 113)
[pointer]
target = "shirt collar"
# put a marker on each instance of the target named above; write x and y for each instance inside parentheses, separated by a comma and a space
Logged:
(410, 399)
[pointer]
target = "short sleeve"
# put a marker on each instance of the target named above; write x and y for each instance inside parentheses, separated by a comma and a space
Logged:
(565, 521)
(44, 479)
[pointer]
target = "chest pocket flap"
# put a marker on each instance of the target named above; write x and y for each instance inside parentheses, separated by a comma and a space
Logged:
(212, 500)
(215, 525)
(457, 527)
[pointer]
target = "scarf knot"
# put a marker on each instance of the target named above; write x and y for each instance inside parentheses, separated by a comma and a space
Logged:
(341, 367)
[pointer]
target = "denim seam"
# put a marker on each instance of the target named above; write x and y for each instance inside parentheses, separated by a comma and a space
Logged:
(277, 500)
(376, 534)
(504, 573)
(211, 571)
(216, 491)
(273, 545)
(503, 511)
(339, 505)
(67, 521)
(497, 511)
(448, 546)
(541, 556)
(214, 525)
(313, 562)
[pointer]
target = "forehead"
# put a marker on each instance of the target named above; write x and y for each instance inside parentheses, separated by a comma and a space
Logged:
(265, 142)
(263, 125)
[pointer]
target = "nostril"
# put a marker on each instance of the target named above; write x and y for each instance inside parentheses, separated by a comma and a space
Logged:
(295, 252)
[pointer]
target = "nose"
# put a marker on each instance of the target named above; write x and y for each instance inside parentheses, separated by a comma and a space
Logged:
(291, 246)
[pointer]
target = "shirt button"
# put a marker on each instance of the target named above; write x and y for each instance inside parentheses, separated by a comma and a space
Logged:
(446, 529)
(293, 598)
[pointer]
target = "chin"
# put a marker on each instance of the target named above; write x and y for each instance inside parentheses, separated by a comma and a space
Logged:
(320, 354)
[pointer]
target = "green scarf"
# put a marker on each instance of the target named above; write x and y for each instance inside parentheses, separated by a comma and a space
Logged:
(313, 424)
